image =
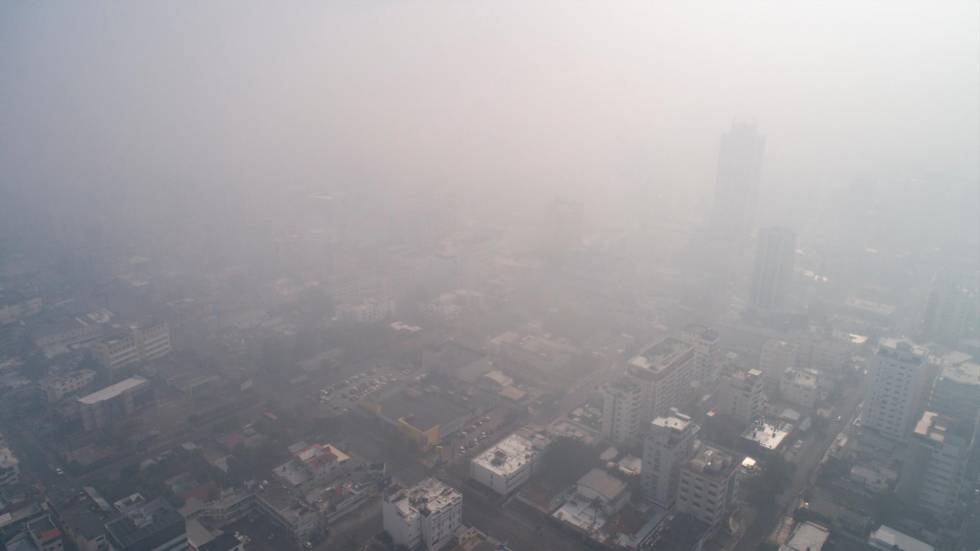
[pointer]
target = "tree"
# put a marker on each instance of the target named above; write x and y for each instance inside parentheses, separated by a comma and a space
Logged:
(763, 489)
(567, 459)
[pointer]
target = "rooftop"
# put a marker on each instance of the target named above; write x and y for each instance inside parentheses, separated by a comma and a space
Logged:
(155, 521)
(966, 373)
(423, 412)
(661, 357)
(807, 536)
(701, 331)
(889, 539)
(425, 497)
(677, 422)
(507, 456)
(113, 391)
(712, 462)
(768, 435)
(603, 483)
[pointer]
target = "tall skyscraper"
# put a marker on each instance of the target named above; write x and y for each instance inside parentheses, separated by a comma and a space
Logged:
(774, 255)
(898, 378)
(737, 181)
(667, 447)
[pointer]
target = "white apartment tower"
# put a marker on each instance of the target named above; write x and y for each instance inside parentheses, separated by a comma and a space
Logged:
(622, 402)
(667, 447)
(898, 378)
(662, 372)
(423, 516)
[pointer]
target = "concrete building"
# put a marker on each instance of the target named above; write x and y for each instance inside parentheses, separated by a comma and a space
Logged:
(322, 460)
(45, 535)
(56, 387)
(807, 536)
(799, 387)
(934, 470)
(707, 351)
(662, 371)
(888, 539)
(603, 489)
(153, 526)
(741, 394)
(951, 307)
(622, 403)
(773, 268)
(506, 465)
(898, 376)
(290, 512)
(707, 485)
(102, 407)
(134, 344)
(425, 516)
(668, 445)
(956, 392)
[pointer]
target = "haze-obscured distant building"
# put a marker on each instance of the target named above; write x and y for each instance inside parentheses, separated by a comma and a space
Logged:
(56, 387)
(799, 387)
(773, 268)
(740, 394)
(737, 181)
(956, 392)
(950, 310)
(707, 351)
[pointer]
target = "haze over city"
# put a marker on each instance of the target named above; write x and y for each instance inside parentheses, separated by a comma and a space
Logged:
(490, 275)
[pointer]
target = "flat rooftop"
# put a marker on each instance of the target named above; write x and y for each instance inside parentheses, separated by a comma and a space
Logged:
(768, 435)
(507, 456)
(429, 495)
(712, 462)
(966, 373)
(676, 422)
(662, 356)
(112, 391)
(424, 411)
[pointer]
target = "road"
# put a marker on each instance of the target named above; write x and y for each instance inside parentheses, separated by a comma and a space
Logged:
(803, 473)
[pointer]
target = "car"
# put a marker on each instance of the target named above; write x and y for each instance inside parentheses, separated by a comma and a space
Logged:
(60, 471)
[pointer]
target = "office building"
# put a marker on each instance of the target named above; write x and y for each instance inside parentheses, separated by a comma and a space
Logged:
(737, 182)
(506, 465)
(152, 526)
(666, 448)
(707, 485)
(740, 394)
(134, 344)
(103, 407)
(951, 308)
(773, 268)
(424, 516)
(898, 376)
(661, 371)
(622, 402)
(933, 472)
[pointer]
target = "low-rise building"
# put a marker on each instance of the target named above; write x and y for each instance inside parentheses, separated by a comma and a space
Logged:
(15, 306)
(426, 515)
(889, 539)
(102, 407)
(290, 512)
(507, 465)
(707, 485)
(56, 387)
(807, 536)
(603, 489)
(153, 526)
(9, 465)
